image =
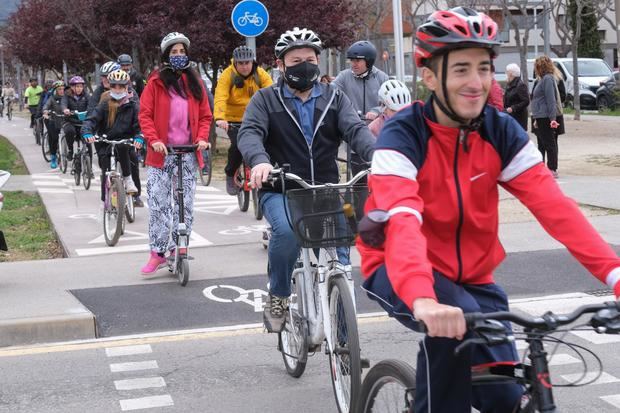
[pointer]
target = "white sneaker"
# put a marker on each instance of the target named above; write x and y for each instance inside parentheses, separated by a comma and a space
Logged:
(130, 187)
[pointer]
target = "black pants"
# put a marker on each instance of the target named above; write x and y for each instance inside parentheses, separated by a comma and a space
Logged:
(53, 133)
(235, 159)
(547, 142)
(135, 169)
(33, 114)
(122, 156)
(72, 135)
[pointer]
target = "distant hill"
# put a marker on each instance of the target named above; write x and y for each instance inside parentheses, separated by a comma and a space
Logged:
(6, 8)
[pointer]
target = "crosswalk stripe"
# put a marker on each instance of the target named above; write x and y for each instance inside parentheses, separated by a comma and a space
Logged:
(605, 377)
(614, 400)
(133, 366)
(48, 183)
(146, 402)
(139, 383)
(54, 191)
(128, 350)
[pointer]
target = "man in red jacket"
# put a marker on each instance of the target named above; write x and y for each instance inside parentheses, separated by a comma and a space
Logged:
(434, 183)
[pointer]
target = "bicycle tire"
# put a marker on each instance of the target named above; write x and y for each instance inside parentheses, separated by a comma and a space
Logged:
(183, 272)
(395, 379)
(130, 208)
(112, 230)
(205, 178)
(344, 358)
(293, 340)
(63, 156)
(77, 169)
(243, 199)
(9, 113)
(45, 146)
(86, 172)
(258, 211)
(37, 132)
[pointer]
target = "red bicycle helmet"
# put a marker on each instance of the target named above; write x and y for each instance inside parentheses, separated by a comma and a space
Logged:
(457, 28)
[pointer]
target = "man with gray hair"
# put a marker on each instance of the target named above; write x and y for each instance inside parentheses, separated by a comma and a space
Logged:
(516, 96)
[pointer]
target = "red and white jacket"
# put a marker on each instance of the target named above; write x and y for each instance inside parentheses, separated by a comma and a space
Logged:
(441, 189)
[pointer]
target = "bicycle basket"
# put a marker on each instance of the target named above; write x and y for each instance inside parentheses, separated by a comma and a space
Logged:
(326, 217)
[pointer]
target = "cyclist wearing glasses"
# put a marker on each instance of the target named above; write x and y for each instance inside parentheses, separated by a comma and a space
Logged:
(434, 182)
(235, 88)
(300, 122)
(78, 101)
(117, 118)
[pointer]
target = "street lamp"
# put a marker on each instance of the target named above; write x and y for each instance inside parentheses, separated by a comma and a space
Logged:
(65, 75)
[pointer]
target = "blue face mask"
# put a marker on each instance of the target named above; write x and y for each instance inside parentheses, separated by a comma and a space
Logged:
(179, 62)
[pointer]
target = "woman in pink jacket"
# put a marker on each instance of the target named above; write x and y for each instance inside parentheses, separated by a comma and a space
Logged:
(174, 110)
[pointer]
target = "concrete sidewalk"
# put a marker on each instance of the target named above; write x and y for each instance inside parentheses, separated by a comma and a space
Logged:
(36, 305)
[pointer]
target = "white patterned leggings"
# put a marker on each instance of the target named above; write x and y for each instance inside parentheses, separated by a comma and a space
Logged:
(159, 185)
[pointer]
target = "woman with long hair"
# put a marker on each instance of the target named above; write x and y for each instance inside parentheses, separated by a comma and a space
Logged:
(174, 110)
(545, 104)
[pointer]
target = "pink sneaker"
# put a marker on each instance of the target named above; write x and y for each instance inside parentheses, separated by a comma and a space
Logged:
(155, 262)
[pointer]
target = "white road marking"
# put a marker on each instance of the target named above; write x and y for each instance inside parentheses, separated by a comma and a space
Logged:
(54, 191)
(49, 183)
(133, 366)
(139, 383)
(562, 359)
(614, 400)
(228, 198)
(196, 240)
(207, 189)
(44, 176)
(128, 350)
(146, 402)
(605, 378)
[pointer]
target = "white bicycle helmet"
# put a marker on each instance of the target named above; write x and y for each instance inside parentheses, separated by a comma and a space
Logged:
(394, 94)
(295, 39)
(109, 67)
(174, 38)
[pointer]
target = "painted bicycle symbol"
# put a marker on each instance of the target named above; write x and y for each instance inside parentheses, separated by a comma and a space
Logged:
(243, 295)
(254, 19)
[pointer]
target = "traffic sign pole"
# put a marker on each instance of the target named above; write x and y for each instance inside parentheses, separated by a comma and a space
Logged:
(250, 18)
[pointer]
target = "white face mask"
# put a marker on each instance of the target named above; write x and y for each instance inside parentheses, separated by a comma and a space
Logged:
(118, 95)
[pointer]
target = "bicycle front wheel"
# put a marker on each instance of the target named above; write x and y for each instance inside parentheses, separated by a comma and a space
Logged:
(130, 210)
(344, 357)
(258, 211)
(9, 113)
(45, 146)
(113, 213)
(77, 169)
(293, 340)
(63, 155)
(243, 199)
(86, 172)
(388, 387)
(206, 172)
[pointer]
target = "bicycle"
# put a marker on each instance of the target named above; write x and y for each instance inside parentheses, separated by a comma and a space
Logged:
(322, 306)
(38, 130)
(116, 200)
(63, 148)
(206, 173)
(82, 166)
(178, 263)
(245, 192)
(9, 110)
(391, 383)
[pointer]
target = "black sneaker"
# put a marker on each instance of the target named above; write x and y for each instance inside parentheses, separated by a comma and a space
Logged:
(231, 188)
(274, 314)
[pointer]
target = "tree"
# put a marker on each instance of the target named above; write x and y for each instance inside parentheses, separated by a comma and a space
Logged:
(589, 41)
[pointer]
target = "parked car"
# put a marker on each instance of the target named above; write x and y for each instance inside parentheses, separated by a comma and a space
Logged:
(608, 94)
(4, 176)
(591, 73)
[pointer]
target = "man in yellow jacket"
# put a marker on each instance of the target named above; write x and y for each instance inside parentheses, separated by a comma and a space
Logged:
(235, 87)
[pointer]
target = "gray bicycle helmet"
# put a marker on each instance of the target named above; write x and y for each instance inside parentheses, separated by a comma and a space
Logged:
(124, 59)
(243, 54)
(109, 67)
(173, 38)
(295, 39)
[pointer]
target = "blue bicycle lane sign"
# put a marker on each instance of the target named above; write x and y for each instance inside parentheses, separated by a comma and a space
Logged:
(250, 18)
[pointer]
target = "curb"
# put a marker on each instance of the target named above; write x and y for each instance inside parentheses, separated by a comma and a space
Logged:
(47, 329)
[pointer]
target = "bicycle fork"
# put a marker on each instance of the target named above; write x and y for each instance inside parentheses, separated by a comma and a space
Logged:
(182, 233)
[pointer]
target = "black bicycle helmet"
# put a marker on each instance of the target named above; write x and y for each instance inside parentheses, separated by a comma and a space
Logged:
(363, 50)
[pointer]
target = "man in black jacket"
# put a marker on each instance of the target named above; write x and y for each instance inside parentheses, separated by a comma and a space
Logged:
(300, 122)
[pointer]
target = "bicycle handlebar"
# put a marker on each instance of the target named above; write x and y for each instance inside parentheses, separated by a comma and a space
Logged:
(104, 139)
(281, 172)
(180, 149)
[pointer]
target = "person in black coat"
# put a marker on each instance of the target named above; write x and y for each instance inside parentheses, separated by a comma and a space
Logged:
(516, 96)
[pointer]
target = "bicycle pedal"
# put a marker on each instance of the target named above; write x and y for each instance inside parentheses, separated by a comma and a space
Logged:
(365, 363)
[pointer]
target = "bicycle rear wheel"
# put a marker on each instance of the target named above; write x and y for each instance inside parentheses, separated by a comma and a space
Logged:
(258, 211)
(344, 358)
(243, 199)
(113, 213)
(388, 387)
(130, 208)
(45, 146)
(76, 167)
(293, 340)
(63, 155)
(86, 171)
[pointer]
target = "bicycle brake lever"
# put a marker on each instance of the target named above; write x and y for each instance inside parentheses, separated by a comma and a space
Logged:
(606, 321)
(468, 342)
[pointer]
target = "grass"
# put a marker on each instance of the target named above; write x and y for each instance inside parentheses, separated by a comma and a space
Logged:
(10, 159)
(27, 229)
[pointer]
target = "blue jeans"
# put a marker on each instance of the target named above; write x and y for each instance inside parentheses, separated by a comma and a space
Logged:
(283, 245)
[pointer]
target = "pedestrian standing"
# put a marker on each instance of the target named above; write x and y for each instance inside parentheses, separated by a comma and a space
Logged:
(545, 102)
(174, 110)
(516, 96)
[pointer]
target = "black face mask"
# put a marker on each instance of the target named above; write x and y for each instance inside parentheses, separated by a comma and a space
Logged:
(302, 76)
